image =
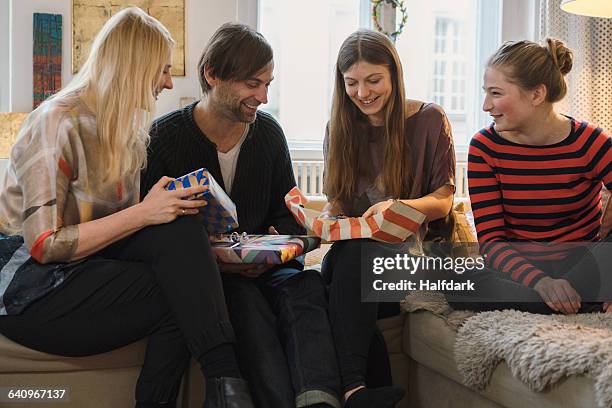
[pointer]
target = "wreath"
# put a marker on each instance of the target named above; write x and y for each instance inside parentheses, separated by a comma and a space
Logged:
(396, 4)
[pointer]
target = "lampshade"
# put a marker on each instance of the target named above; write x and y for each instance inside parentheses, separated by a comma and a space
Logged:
(592, 8)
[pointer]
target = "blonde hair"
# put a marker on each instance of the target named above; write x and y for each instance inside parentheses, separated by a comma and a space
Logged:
(346, 157)
(122, 71)
(529, 64)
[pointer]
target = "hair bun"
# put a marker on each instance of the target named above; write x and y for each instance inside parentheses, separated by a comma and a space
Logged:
(561, 55)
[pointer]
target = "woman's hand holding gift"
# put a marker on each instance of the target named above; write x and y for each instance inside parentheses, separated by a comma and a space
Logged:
(378, 208)
(161, 206)
(330, 210)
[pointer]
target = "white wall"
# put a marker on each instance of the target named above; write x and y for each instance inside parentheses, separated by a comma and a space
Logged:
(520, 20)
(4, 56)
(203, 17)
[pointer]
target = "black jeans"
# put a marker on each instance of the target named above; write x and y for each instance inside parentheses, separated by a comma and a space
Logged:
(161, 282)
(362, 353)
(587, 270)
(284, 342)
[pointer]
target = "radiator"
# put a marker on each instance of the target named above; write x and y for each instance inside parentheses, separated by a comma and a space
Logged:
(309, 177)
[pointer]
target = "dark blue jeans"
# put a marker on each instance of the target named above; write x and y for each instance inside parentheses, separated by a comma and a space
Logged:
(284, 341)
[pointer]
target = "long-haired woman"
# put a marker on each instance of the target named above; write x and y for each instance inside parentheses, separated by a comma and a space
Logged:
(379, 148)
(86, 268)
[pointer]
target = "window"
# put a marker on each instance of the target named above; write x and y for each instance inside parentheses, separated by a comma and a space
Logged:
(445, 64)
(443, 48)
(449, 63)
(306, 37)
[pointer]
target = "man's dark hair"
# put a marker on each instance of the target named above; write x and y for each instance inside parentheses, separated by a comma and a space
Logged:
(235, 52)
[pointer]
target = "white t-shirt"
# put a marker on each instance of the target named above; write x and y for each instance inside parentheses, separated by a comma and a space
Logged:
(228, 161)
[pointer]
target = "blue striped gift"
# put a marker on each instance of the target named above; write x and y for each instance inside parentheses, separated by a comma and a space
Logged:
(220, 214)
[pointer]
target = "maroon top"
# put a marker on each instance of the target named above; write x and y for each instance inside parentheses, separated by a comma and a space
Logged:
(431, 151)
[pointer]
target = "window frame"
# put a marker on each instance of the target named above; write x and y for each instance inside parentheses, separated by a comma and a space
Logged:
(496, 17)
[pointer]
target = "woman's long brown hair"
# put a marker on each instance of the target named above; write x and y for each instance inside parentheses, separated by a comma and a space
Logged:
(347, 155)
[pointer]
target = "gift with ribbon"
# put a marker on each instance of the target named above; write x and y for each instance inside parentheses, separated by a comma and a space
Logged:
(261, 249)
(220, 213)
(397, 223)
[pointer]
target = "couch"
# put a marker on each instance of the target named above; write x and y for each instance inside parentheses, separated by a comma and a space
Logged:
(420, 348)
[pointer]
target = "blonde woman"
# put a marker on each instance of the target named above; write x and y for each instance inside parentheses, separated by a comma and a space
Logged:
(86, 268)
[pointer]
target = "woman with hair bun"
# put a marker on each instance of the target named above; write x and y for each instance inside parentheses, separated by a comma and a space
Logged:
(536, 176)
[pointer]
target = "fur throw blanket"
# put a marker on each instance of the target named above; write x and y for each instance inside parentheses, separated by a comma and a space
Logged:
(539, 349)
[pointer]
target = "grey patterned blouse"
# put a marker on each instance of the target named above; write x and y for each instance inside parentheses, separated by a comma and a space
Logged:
(47, 191)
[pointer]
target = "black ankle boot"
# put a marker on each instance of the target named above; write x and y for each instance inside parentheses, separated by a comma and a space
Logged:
(227, 392)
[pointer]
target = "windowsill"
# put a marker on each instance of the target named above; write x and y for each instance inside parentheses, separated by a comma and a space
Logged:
(305, 151)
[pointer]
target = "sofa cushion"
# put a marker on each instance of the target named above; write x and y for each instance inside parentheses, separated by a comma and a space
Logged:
(17, 358)
(430, 341)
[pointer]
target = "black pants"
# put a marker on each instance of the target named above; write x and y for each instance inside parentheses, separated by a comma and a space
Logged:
(161, 282)
(362, 354)
(284, 341)
(588, 270)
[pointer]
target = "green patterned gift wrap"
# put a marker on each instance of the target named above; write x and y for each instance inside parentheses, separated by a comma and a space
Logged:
(263, 249)
(220, 214)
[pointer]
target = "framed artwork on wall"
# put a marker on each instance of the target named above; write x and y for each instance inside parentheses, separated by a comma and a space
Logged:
(47, 56)
(88, 17)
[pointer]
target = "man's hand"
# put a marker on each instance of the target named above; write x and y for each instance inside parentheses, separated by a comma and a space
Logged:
(246, 270)
(559, 295)
(607, 307)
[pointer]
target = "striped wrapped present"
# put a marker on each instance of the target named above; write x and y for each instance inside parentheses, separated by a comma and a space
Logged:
(395, 224)
(263, 249)
(220, 214)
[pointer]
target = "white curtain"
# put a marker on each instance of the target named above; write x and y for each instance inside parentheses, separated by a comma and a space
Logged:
(590, 81)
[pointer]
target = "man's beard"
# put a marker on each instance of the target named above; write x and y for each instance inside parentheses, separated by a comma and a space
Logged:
(233, 108)
(241, 116)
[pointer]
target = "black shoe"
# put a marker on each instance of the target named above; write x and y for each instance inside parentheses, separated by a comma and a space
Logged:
(227, 392)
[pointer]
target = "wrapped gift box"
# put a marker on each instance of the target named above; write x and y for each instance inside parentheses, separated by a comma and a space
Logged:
(395, 224)
(220, 213)
(263, 249)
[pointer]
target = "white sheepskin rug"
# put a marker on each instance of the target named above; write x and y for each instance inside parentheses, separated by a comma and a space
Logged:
(539, 349)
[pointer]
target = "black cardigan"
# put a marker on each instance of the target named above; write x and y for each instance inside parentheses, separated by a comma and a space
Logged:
(263, 173)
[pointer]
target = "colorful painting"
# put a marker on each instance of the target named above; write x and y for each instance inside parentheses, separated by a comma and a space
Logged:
(88, 17)
(47, 55)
